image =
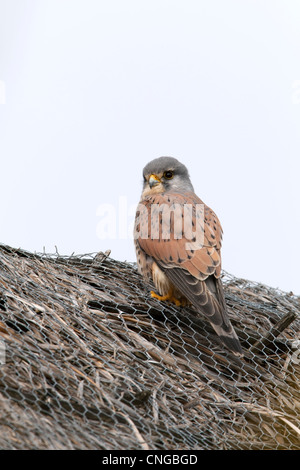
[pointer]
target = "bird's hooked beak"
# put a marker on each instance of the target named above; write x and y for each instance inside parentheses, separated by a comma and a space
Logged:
(154, 180)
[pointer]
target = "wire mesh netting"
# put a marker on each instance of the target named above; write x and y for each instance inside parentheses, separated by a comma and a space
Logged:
(88, 360)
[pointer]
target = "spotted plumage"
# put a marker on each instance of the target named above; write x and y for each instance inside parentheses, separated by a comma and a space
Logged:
(178, 245)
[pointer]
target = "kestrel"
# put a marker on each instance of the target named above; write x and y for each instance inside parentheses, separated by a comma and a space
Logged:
(178, 245)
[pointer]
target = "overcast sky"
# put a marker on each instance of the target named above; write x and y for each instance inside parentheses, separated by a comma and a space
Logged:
(91, 90)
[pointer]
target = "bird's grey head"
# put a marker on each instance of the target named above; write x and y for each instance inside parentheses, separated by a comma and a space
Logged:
(165, 174)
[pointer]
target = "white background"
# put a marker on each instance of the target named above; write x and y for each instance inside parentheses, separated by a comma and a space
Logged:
(94, 89)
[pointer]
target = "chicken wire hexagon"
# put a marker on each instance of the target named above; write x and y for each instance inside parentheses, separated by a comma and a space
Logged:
(93, 362)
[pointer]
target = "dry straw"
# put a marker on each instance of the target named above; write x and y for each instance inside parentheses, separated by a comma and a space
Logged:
(93, 362)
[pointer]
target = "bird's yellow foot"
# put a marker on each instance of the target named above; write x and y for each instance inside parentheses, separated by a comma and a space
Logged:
(168, 297)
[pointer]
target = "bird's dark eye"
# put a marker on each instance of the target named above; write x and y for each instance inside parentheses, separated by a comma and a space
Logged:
(168, 174)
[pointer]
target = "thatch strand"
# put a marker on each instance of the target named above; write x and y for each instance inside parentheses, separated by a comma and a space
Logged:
(93, 362)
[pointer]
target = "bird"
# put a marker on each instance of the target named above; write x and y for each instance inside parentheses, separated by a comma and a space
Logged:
(178, 246)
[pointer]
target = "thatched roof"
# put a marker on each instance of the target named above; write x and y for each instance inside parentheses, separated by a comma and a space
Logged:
(91, 361)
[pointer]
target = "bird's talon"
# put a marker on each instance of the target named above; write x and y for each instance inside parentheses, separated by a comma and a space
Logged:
(169, 297)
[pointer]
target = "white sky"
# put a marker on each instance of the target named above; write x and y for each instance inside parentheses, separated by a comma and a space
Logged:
(94, 89)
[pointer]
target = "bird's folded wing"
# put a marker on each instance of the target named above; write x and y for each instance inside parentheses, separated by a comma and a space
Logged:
(194, 269)
(189, 236)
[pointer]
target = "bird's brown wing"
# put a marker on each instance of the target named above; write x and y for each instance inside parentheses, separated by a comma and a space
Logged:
(192, 264)
(199, 254)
